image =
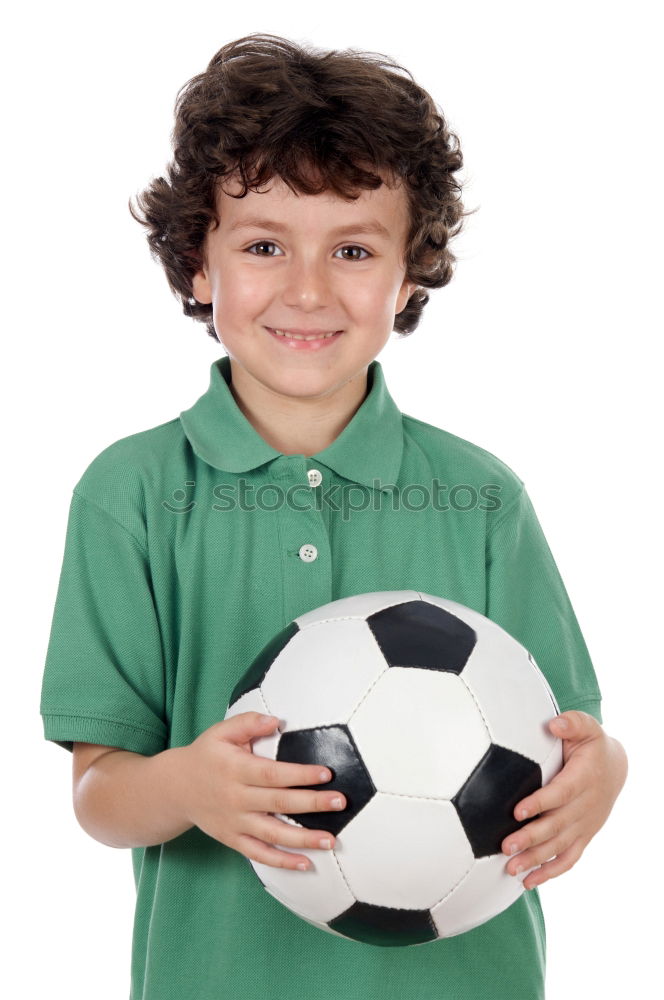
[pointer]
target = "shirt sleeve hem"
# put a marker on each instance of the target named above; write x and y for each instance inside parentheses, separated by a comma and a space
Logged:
(67, 729)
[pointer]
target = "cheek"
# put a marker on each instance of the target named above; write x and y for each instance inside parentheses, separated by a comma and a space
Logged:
(385, 306)
(238, 294)
(371, 300)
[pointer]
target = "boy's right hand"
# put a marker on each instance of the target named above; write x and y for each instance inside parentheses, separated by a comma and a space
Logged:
(228, 792)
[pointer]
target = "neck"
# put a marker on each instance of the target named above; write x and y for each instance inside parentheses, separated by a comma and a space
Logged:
(303, 426)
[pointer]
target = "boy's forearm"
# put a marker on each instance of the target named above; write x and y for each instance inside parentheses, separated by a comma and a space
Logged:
(125, 799)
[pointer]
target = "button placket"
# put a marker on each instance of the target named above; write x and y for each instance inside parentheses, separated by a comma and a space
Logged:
(307, 567)
(309, 552)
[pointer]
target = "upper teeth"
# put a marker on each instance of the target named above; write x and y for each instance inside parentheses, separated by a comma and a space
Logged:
(299, 336)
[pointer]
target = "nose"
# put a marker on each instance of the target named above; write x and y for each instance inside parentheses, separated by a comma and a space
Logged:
(306, 284)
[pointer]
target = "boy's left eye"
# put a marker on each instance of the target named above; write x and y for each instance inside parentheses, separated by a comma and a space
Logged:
(267, 243)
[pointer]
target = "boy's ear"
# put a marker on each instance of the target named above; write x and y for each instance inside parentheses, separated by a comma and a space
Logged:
(405, 292)
(200, 285)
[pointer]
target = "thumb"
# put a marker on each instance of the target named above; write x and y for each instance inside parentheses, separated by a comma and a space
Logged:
(574, 725)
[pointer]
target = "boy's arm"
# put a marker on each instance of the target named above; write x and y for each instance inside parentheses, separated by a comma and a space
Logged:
(125, 799)
(527, 597)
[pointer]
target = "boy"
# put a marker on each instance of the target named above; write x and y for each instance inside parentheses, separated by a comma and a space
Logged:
(189, 545)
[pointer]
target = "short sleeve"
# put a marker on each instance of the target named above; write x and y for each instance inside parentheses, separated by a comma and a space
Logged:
(103, 679)
(526, 596)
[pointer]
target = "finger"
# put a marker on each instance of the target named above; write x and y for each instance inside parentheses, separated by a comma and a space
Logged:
(543, 851)
(556, 866)
(575, 725)
(258, 850)
(291, 800)
(560, 791)
(267, 773)
(281, 833)
(538, 831)
(245, 727)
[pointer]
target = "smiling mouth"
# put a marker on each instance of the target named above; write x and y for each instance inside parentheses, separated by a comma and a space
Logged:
(306, 337)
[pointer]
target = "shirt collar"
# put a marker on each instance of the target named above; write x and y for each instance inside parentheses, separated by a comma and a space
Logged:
(369, 448)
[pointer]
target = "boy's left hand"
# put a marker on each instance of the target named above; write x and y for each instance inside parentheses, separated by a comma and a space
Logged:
(573, 806)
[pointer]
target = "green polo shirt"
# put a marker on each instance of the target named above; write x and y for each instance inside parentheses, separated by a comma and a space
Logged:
(188, 547)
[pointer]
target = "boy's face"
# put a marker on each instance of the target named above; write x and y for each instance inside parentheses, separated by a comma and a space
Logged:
(309, 268)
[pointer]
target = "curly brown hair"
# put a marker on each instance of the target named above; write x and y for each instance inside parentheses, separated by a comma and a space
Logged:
(266, 106)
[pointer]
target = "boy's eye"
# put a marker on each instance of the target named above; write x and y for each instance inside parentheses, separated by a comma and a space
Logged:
(267, 243)
(361, 249)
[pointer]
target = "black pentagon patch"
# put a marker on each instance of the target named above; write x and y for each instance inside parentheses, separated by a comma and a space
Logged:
(384, 925)
(420, 634)
(488, 798)
(333, 747)
(255, 673)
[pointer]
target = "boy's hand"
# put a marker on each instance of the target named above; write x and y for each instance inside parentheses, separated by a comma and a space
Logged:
(573, 806)
(228, 791)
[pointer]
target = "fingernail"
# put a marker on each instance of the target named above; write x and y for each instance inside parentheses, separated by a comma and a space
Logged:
(336, 803)
(514, 848)
(563, 723)
(303, 866)
(324, 775)
(325, 844)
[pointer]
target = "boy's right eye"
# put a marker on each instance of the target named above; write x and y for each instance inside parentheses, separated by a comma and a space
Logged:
(261, 243)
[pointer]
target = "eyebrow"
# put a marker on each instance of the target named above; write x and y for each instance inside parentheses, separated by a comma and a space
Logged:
(368, 226)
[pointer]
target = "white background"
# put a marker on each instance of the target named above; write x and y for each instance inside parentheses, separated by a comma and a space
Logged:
(543, 350)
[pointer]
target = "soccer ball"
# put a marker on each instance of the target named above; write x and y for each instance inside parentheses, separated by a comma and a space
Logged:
(433, 722)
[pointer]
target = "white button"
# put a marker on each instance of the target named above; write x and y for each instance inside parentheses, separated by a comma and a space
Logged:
(315, 478)
(308, 553)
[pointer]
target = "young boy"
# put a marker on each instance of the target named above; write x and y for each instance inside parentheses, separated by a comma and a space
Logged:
(191, 544)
